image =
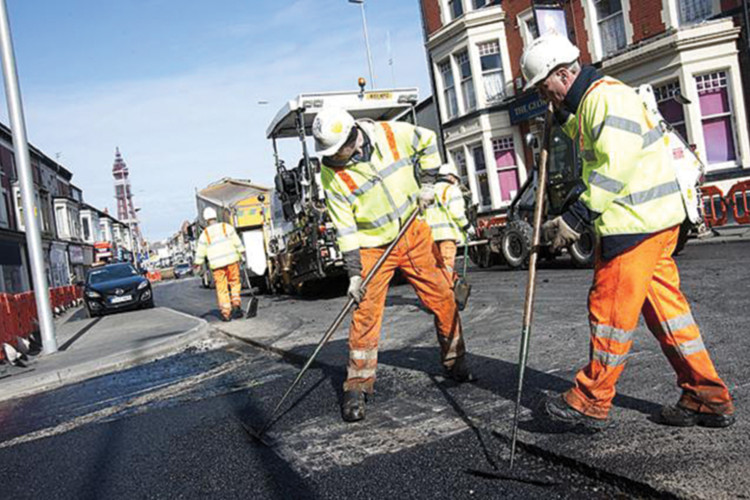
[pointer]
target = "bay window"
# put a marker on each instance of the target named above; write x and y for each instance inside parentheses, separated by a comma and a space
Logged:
(467, 82)
(716, 117)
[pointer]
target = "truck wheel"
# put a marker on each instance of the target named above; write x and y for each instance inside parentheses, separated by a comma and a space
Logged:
(516, 243)
(481, 255)
(582, 251)
(682, 239)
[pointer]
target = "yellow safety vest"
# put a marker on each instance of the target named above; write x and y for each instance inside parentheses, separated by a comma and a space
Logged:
(220, 244)
(368, 201)
(625, 170)
(447, 216)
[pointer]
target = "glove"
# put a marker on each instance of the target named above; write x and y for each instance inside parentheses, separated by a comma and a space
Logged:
(559, 233)
(427, 195)
(471, 232)
(355, 290)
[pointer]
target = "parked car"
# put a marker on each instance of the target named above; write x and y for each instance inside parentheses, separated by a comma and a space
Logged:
(116, 287)
(183, 269)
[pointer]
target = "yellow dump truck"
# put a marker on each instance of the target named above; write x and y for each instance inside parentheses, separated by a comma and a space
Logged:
(240, 203)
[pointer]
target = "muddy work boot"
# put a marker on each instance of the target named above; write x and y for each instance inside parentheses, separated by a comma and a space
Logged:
(559, 410)
(353, 406)
(460, 371)
(679, 416)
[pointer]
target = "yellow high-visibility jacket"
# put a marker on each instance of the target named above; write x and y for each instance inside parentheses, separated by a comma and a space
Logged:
(447, 216)
(369, 199)
(631, 190)
(220, 244)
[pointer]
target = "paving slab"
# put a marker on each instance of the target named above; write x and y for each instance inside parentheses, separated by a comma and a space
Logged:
(88, 347)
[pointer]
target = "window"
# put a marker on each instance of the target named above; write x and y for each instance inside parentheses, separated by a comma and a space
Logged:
(529, 28)
(478, 4)
(456, 8)
(695, 11)
(716, 117)
(459, 159)
(4, 221)
(670, 108)
(449, 89)
(86, 229)
(480, 171)
(467, 82)
(611, 25)
(507, 171)
(492, 71)
(60, 217)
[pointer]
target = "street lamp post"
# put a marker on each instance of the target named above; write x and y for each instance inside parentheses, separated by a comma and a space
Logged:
(367, 40)
(31, 214)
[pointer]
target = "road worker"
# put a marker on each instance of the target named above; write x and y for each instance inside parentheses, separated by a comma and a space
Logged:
(447, 217)
(369, 178)
(222, 247)
(634, 203)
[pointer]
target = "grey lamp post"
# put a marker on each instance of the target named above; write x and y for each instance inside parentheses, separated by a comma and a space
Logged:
(367, 40)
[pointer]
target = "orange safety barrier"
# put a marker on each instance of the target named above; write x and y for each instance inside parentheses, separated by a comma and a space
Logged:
(714, 206)
(739, 198)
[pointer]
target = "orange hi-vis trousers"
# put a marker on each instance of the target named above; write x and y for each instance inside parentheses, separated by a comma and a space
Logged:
(416, 256)
(448, 253)
(228, 288)
(644, 279)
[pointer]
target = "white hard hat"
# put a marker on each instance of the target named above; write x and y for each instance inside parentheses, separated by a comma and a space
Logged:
(330, 129)
(449, 168)
(544, 55)
(209, 213)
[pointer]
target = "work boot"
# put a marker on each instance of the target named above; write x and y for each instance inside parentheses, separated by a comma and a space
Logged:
(560, 411)
(460, 371)
(679, 416)
(237, 312)
(353, 406)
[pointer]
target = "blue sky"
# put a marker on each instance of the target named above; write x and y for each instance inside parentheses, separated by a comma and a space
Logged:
(176, 84)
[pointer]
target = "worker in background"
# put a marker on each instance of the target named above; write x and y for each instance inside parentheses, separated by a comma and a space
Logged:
(222, 247)
(368, 176)
(634, 203)
(447, 217)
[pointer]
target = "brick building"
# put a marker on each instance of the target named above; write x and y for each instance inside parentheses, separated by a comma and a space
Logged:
(689, 48)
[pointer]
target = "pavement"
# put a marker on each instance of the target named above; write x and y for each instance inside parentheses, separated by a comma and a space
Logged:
(637, 452)
(89, 347)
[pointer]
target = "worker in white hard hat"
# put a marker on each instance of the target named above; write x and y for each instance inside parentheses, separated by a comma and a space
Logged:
(222, 247)
(447, 217)
(371, 176)
(633, 201)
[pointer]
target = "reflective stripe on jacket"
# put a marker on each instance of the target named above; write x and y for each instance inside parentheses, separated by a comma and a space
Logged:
(369, 200)
(447, 216)
(220, 244)
(629, 183)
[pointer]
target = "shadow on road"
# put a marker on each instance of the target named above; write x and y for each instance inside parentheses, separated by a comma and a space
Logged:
(79, 334)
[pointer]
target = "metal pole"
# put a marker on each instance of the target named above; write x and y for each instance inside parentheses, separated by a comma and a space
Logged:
(30, 212)
(367, 45)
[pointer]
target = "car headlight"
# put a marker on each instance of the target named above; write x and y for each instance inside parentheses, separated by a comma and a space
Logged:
(143, 285)
(92, 294)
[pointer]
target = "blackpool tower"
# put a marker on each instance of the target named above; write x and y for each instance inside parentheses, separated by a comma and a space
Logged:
(126, 210)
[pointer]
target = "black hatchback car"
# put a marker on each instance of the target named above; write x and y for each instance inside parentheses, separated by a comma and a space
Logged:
(115, 287)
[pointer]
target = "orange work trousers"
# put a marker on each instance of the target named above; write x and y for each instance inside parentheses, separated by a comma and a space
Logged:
(448, 253)
(644, 280)
(228, 288)
(417, 258)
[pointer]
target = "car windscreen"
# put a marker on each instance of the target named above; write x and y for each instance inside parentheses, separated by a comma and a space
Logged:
(182, 267)
(111, 273)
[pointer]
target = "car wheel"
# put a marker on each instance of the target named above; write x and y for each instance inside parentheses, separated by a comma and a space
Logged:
(516, 243)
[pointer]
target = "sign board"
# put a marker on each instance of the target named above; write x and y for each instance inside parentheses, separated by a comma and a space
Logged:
(550, 19)
(526, 107)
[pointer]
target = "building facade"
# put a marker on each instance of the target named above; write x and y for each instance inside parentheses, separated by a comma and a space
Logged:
(692, 52)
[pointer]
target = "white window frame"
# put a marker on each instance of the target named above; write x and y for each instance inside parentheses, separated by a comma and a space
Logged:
(592, 26)
(471, 147)
(732, 119)
(502, 70)
(505, 143)
(466, 83)
(448, 63)
(665, 91)
(448, 17)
